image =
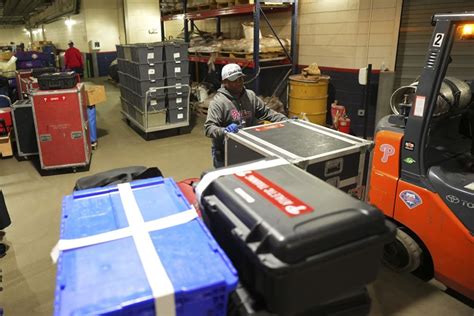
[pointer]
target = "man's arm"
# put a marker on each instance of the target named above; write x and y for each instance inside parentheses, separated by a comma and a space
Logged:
(212, 126)
(264, 113)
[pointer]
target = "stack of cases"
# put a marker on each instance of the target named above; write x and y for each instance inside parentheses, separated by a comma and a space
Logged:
(177, 75)
(144, 69)
(141, 74)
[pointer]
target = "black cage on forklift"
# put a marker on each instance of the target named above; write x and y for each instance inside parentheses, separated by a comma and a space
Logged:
(424, 104)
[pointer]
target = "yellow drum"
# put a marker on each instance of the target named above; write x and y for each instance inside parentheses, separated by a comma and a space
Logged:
(308, 98)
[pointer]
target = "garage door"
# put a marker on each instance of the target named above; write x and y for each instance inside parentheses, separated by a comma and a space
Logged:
(415, 35)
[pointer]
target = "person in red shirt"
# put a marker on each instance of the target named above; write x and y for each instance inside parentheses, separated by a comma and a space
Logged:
(73, 59)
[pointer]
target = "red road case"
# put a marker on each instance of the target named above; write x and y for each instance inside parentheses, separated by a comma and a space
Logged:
(26, 80)
(62, 127)
(24, 83)
(6, 115)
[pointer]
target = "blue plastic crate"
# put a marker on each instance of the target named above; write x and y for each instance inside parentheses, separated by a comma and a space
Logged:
(109, 278)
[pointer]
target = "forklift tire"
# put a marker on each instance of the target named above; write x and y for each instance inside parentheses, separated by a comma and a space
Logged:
(403, 254)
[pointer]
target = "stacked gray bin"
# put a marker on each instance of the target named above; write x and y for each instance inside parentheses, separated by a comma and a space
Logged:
(142, 76)
(177, 75)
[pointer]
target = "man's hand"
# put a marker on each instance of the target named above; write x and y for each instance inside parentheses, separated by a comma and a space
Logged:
(232, 128)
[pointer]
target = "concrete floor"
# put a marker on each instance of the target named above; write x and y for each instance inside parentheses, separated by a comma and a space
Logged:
(34, 202)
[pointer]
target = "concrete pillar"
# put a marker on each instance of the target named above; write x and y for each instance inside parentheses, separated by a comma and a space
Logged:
(385, 90)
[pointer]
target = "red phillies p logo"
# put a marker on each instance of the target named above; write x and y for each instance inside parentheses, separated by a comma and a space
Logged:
(388, 150)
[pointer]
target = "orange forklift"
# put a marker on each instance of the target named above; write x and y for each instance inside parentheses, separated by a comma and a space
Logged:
(422, 173)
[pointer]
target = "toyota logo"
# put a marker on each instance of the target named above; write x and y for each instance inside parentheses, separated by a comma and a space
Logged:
(452, 199)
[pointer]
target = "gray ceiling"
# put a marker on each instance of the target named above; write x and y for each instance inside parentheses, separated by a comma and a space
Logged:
(14, 12)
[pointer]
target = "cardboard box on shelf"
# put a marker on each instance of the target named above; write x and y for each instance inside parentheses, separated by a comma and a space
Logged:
(95, 94)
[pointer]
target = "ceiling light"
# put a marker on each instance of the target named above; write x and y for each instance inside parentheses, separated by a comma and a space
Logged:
(69, 22)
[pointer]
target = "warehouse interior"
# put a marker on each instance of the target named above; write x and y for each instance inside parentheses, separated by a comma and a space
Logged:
(342, 72)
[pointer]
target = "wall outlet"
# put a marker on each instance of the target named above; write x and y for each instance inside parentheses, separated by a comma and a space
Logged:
(361, 112)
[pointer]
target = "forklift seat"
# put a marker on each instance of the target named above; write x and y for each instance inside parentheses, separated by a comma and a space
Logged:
(454, 182)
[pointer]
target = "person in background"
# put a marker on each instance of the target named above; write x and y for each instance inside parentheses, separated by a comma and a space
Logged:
(232, 108)
(73, 59)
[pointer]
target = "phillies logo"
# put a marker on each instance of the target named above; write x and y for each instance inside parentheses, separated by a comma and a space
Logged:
(388, 150)
(235, 114)
(411, 199)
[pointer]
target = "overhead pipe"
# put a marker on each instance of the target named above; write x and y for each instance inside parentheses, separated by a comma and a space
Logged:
(29, 6)
(74, 10)
(22, 4)
(9, 7)
(56, 15)
(23, 8)
(33, 6)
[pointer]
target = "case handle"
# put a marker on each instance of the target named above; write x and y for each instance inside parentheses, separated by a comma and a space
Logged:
(334, 181)
(215, 206)
(333, 167)
(258, 236)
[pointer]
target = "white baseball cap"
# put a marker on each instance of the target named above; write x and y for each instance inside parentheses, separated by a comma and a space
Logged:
(231, 72)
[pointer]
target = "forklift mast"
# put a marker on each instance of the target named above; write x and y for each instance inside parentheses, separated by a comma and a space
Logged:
(424, 104)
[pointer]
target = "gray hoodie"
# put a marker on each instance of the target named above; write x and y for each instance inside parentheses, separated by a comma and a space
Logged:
(245, 111)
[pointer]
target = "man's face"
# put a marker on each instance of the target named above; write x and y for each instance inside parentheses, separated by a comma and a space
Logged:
(234, 87)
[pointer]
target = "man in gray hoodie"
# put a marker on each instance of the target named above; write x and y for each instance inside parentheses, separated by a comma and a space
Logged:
(232, 108)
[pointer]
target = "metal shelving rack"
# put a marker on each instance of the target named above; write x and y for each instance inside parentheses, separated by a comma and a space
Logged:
(259, 10)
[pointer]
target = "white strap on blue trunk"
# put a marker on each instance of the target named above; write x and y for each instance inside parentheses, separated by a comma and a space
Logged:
(160, 283)
(161, 286)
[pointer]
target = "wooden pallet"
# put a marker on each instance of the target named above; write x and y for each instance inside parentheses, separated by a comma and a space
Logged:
(171, 12)
(201, 7)
(230, 3)
(249, 56)
(201, 54)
